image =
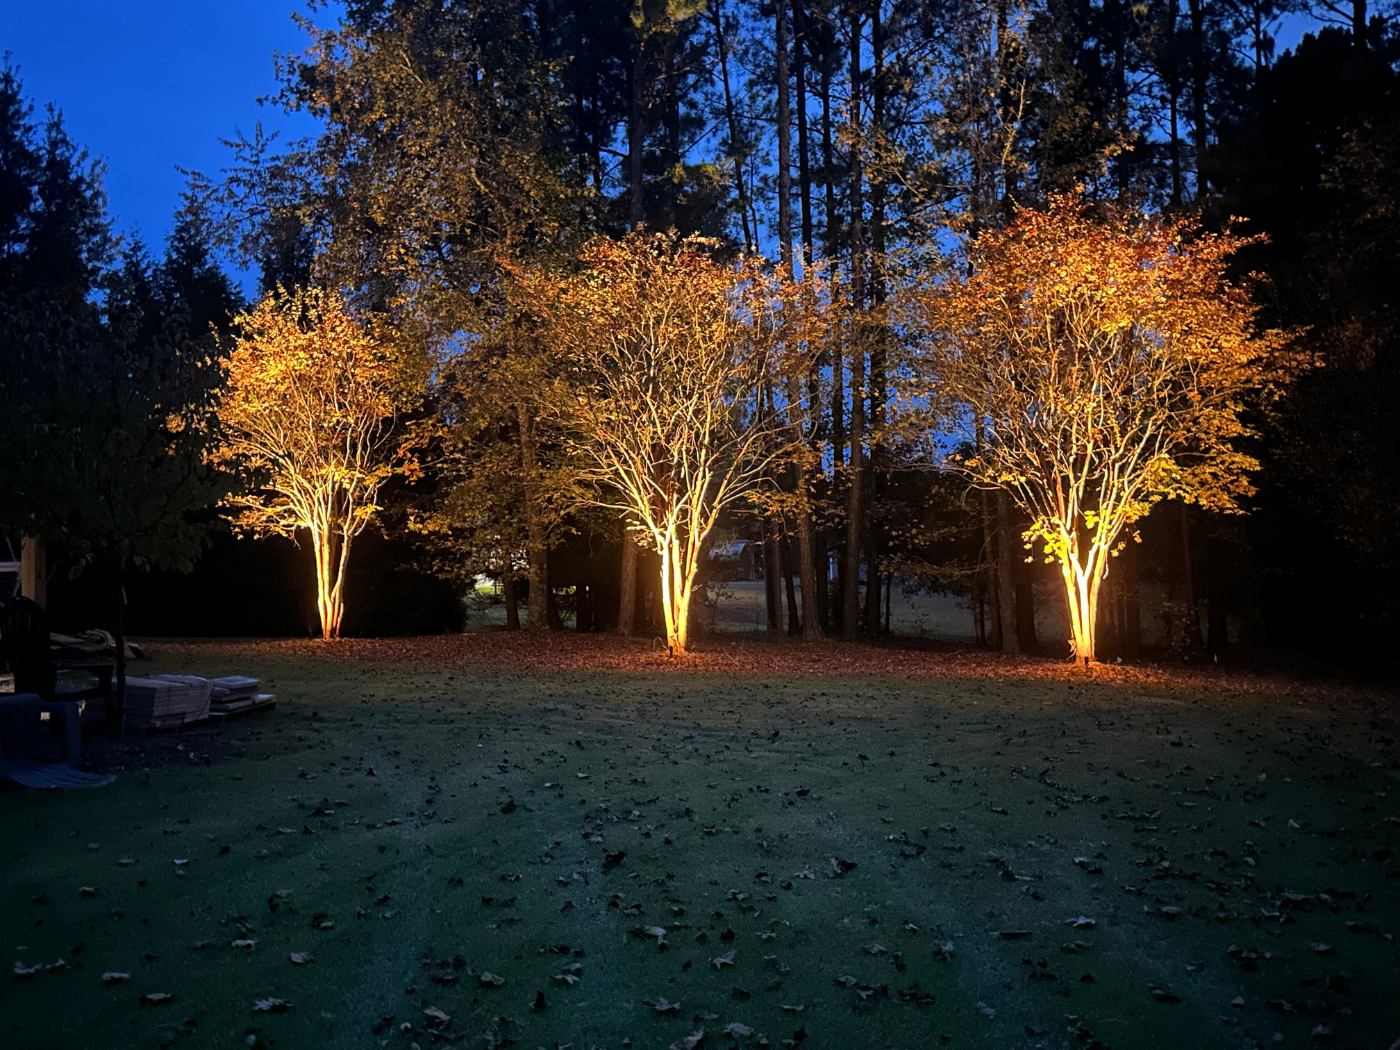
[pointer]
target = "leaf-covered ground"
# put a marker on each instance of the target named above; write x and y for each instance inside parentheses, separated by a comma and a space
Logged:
(494, 841)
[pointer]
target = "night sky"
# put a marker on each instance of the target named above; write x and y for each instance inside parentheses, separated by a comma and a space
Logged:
(150, 86)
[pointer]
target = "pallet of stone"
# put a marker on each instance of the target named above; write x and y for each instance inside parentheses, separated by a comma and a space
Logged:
(167, 700)
(246, 705)
(233, 687)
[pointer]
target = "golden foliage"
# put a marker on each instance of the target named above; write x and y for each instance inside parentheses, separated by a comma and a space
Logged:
(309, 413)
(667, 353)
(1103, 363)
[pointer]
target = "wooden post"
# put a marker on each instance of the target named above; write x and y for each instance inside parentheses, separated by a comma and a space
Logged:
(33, 570)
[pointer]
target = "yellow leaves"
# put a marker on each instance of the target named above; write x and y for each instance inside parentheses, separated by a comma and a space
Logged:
(310, 410)
(1108, 357)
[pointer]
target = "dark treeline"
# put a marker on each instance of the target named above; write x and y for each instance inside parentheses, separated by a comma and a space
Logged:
(865, 137)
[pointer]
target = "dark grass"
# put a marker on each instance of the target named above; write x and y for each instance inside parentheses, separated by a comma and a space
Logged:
(1232, 840)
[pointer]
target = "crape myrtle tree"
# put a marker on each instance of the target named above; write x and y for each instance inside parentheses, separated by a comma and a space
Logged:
(1107, 360)
(667, 352)
(311, 412)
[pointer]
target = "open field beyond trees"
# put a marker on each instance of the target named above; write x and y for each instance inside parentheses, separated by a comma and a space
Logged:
(494, 840)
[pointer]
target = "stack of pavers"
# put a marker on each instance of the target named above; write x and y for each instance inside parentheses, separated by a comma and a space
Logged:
(236, 694)
(164, 701)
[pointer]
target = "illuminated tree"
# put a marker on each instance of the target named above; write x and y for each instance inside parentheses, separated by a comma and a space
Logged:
(1106, 361)
(309, 412)
(666, 353)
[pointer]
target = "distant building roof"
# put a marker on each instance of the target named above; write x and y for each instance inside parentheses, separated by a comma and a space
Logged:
(732, 549)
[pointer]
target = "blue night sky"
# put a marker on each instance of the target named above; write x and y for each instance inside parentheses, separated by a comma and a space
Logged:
(149, 86)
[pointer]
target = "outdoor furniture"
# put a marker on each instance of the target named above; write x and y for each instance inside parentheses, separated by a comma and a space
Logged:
(25, 646)
(102, 670)
(24, 741)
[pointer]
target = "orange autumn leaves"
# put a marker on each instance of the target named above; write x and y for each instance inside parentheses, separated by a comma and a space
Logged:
(1091, 363)
(310, 416)
(1096, 364)
(666, 396)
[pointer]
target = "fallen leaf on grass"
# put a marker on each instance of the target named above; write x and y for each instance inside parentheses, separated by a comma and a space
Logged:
(659, 932)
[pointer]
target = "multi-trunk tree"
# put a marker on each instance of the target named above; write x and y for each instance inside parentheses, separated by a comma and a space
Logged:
(1107, 360)
(667, 352)
(311, 416)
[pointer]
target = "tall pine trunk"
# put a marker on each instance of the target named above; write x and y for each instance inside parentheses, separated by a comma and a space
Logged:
(731, 118)
(1006, 577)
(831, 244)
(855, 502)
(871, 484)
(811, 542)
(536, 536)
(636, 213)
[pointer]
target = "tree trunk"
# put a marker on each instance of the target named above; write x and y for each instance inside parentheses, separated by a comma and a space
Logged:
(1359, 22)
(784, 139)
(1196, 11)
(990, 570)
(1130, 568)
(1024, 586)
(804, 168)
(1174, 102)
(627, 586)
(855, 503)
(794, 623)
(1006, 578)
(636, 213)
(510, 591)
(1080, 598)
(807, 568)
(773, 578)
(1191, 625)
(831, 618)
(330, 578)
(536, 536)
(118, 726)
(636, 131)
(731, 118)
(678, 569)
(874, 576)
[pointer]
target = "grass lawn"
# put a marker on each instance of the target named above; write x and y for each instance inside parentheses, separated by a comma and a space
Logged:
(490, 841)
